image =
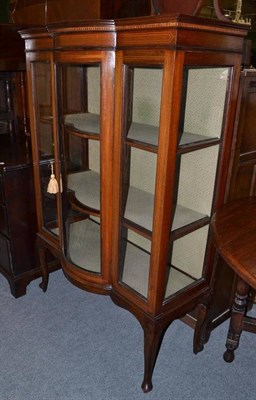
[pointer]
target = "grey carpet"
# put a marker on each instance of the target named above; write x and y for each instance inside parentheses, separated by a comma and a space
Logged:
(71, 345)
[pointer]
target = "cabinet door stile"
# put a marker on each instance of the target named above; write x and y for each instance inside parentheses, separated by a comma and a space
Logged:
(166, 180)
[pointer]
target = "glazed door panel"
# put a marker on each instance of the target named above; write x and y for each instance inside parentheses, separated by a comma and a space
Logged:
(85, 132)
(204, 98)
(46, 143)
(183, 176)
(81, 133)
(140, 131)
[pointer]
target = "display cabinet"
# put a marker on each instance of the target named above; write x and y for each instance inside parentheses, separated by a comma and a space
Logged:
(132, 126)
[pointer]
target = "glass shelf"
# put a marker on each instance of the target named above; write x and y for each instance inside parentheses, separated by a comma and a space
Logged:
(86, 186)
(83, 122)
(139, 210)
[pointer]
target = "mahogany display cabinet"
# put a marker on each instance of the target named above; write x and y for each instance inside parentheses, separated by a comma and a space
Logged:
(132, 124)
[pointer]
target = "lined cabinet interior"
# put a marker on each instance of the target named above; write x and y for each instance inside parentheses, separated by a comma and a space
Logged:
(203, 100)
(81, 130)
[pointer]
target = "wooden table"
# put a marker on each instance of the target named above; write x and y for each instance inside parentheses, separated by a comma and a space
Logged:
(233, 230)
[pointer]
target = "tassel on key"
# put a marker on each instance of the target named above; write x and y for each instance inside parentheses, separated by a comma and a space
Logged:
(53, 186)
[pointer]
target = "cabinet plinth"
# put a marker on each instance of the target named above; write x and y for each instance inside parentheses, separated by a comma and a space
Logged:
(135, 118)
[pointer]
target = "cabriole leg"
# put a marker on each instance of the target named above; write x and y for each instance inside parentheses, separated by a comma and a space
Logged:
(153, 337)
(45, 273)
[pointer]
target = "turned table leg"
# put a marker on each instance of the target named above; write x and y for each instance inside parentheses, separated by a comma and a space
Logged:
(236, 321)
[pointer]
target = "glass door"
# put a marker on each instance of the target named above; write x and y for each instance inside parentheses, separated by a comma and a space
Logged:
(81, 137)
(41, 71)
(204, 98)
(141, 119)
(181, 190)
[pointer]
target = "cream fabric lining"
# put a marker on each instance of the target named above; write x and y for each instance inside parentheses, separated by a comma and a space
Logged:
(136, 273)
(84, 245)
(206, 95)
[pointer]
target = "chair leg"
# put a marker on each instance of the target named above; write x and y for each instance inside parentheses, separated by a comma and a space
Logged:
(236, 321)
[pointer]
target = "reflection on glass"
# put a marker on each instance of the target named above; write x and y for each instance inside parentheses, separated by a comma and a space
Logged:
(44, 129)
(6, 103)
(80, 85)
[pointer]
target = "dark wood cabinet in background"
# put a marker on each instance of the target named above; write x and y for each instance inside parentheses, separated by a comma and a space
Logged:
(41, 12)
(18, 224)
(17, 220)
(243, 176)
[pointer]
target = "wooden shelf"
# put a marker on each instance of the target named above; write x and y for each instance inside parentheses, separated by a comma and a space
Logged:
(146, 136)
(86, 187)
(192, 141)
(83, 123)
(140, 206)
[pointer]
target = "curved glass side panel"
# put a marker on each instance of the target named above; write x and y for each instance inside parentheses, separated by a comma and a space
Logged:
(41, 75)
(80, 126)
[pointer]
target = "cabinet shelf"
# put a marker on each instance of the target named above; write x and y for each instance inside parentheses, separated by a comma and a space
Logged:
(192, 141)
(139, 211)
(143, 135)
(146, 137)
(86, 190)
(83, 124)
(136, 273)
